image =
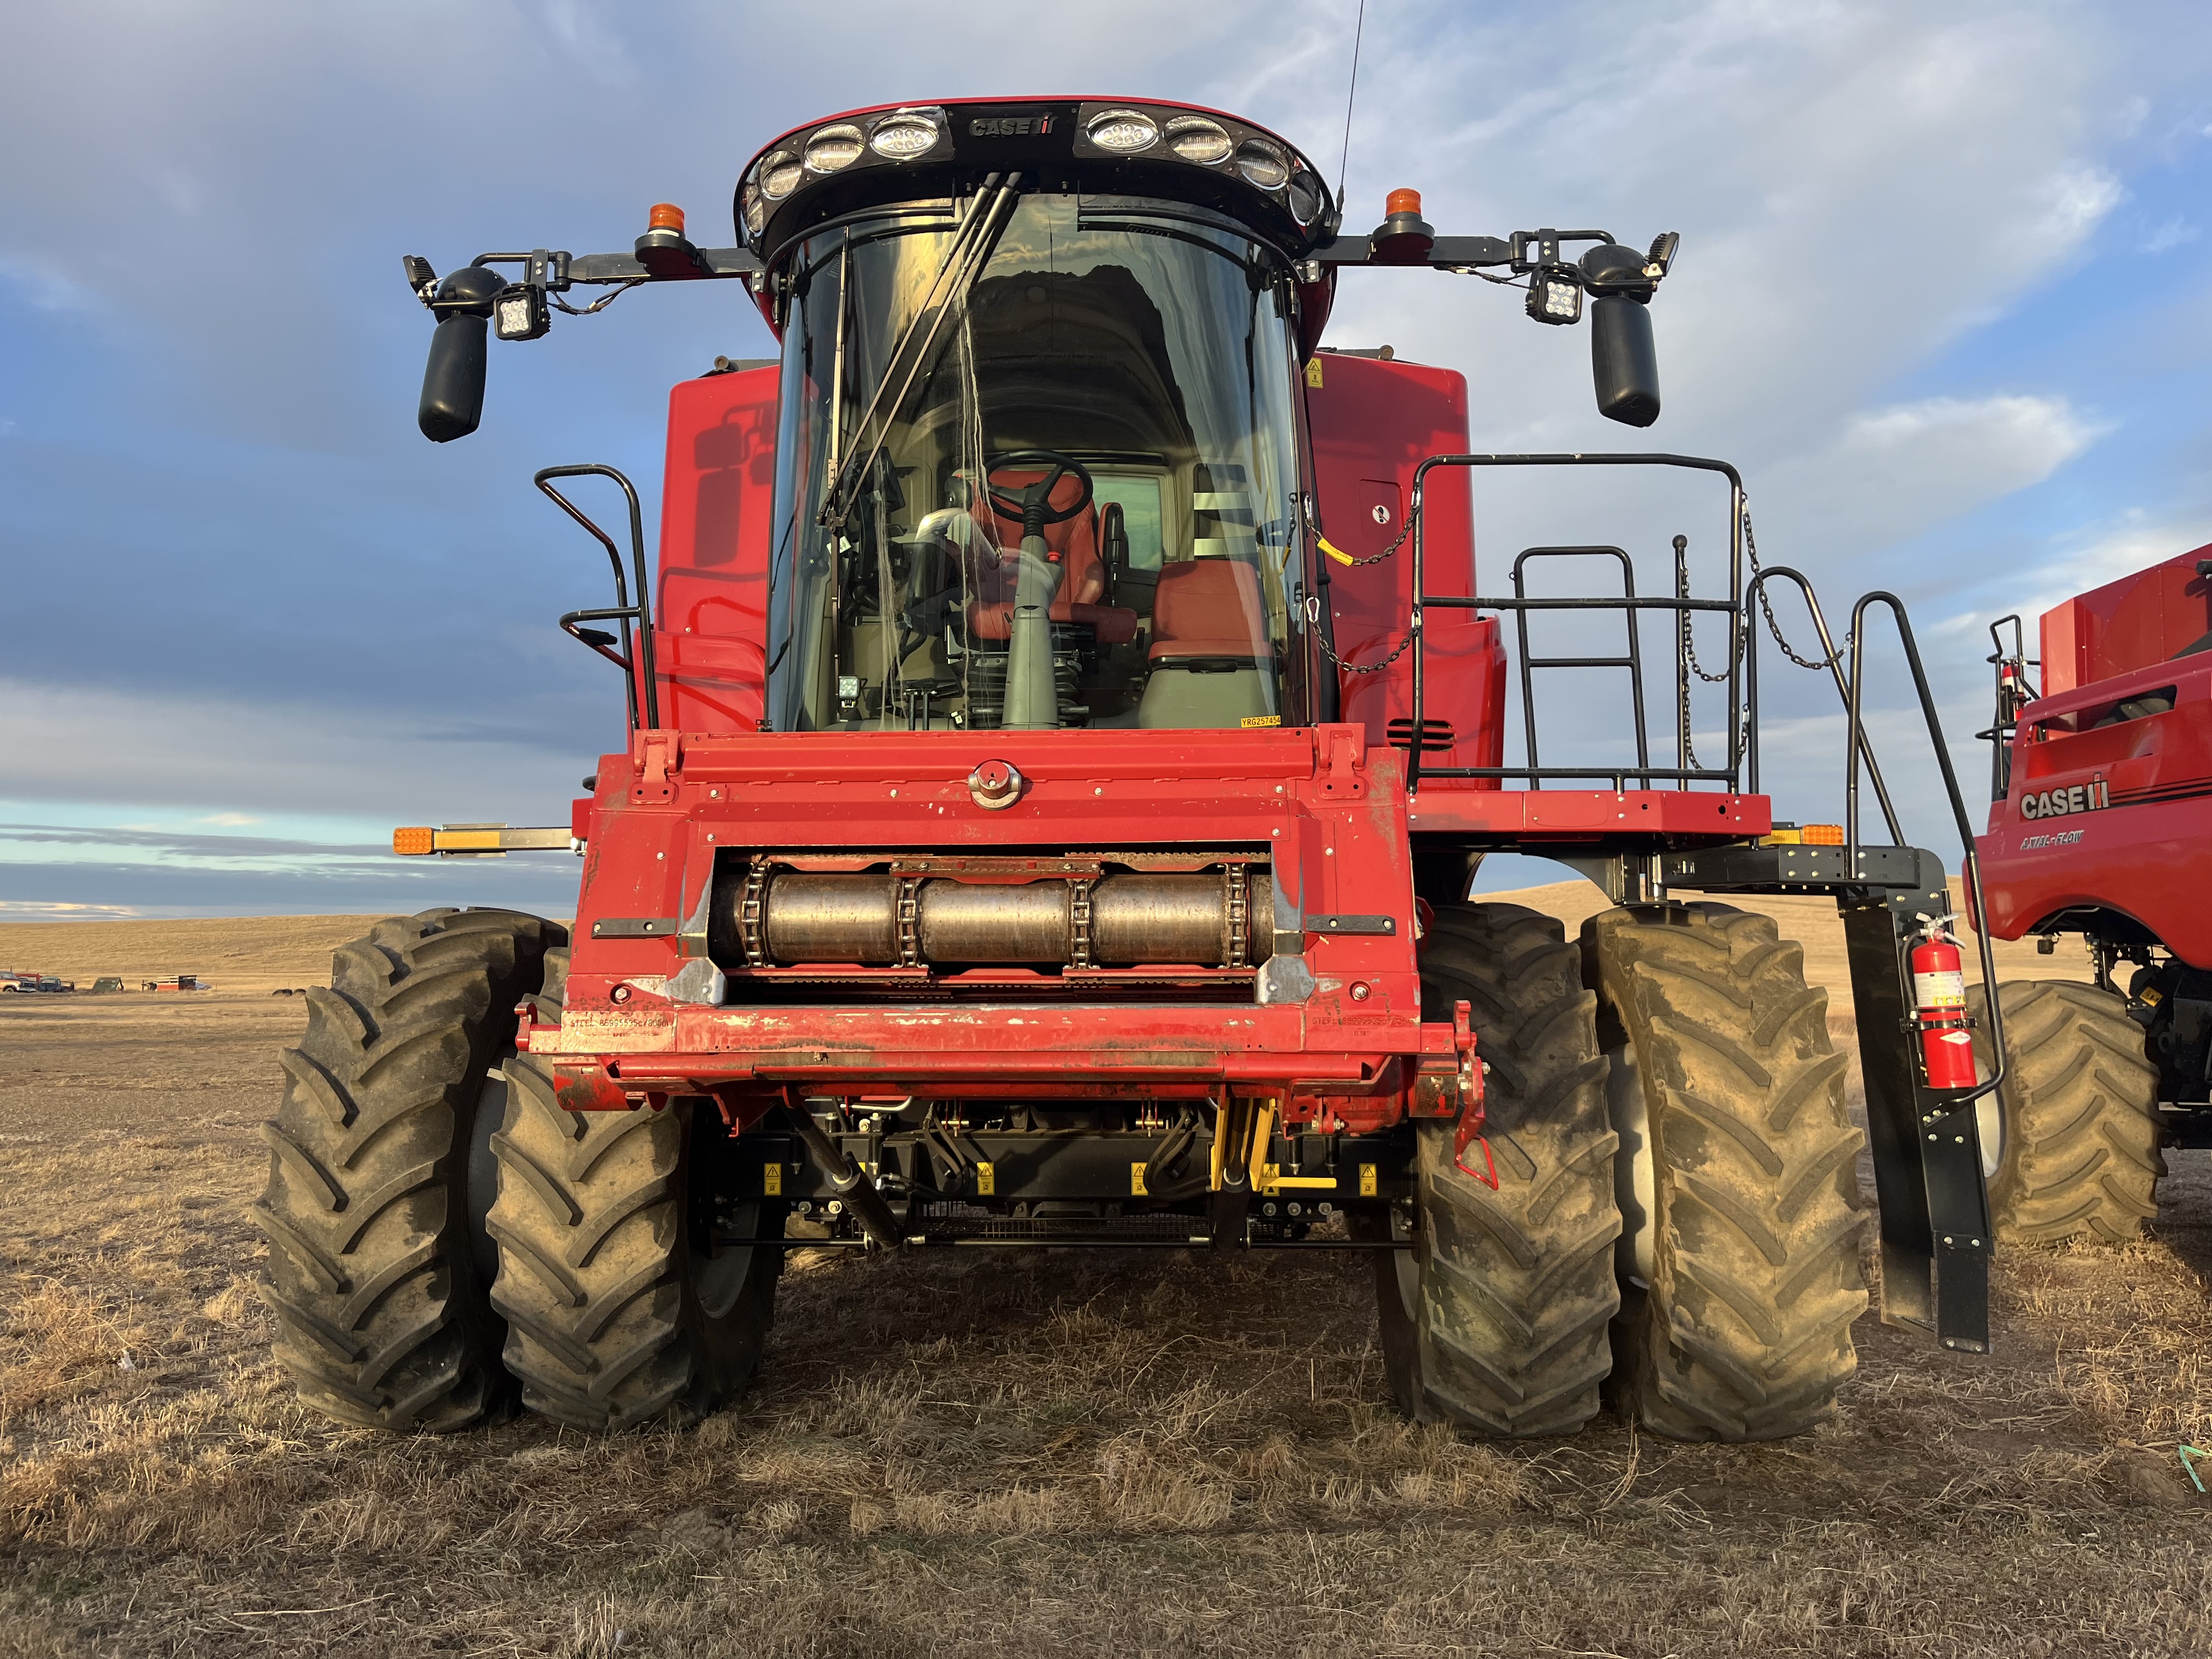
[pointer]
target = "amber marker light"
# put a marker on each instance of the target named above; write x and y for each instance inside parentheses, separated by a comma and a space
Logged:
(1402, 201)
(411, 842)
(1823, 835)
(664, 215)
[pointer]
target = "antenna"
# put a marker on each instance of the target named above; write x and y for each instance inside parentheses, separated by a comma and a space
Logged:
(1351, 91)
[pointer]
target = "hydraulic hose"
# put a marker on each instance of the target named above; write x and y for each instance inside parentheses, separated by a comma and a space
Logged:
(848, 1180)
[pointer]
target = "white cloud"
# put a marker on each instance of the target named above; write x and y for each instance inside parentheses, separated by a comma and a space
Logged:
(2170, 233)
(2074, 200)
(1894, 472)
(2134, 541)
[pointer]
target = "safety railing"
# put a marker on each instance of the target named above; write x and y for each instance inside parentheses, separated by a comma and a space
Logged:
(635, 657)
(1741, 711)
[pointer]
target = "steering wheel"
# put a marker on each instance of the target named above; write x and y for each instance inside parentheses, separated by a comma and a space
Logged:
(1033, 504)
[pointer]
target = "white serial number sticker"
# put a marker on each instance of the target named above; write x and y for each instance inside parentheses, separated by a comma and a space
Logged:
(2059, 803)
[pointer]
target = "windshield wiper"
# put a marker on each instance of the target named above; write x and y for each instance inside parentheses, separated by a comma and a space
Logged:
(971, 249)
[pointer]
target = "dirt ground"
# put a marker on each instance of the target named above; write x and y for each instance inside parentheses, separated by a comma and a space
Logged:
(1079, 1453)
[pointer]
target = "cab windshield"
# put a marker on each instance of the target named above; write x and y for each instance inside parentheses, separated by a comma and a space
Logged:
(1061, 493)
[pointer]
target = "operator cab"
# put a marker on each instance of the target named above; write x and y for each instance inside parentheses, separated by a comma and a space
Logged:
(1040, 458)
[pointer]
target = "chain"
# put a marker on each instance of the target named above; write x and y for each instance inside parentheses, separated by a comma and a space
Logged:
(1404, 531)
(1766, 605)
(1313, 620)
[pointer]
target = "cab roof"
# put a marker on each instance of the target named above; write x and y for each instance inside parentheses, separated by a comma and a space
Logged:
(1140, 147)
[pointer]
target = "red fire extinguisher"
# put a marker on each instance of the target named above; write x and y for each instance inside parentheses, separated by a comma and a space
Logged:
(1939, 1009)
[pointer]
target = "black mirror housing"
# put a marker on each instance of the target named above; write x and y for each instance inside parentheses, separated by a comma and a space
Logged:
(453, 380)
(1623, 362)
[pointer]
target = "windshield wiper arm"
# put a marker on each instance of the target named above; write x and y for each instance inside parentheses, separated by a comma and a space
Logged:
(971, 249)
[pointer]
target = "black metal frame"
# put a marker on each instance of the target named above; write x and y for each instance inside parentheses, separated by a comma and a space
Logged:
(1935, 1215)
(1520, 603)
(634, 651)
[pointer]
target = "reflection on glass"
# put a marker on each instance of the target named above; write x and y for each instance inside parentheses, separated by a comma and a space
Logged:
(1062, 495)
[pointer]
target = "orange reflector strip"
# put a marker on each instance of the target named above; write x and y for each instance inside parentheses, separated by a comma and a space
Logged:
(1822, 835)
(414, 842)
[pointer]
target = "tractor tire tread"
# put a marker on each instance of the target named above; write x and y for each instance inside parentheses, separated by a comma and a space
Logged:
(2081, 1156)
(1518, 1288)
(378, 1319)
(1744, 1333)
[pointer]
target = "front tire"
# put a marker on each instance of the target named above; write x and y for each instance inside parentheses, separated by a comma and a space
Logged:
(377, 1274)
(627, 1277)
(1742, 1330)
(1497, 1319)
(2069, 1143)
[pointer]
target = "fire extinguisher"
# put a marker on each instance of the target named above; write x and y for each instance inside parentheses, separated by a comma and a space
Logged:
(1939, 1008)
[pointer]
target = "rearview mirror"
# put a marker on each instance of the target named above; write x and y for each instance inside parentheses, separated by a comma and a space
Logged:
(1623, 361)
(454, 380)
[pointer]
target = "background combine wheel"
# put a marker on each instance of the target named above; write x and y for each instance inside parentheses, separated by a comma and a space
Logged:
(379, 1273)
(1498, 1319)
(627, 1276)
(2071, 1152)
(1739, 1174)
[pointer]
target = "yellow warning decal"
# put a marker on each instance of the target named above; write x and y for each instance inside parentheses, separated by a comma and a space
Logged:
(1313, 373)
(1262, 719)
(1334, 551)
(1136, 1181)
(772, 1179)
(1367, 1181)
(986, 1180)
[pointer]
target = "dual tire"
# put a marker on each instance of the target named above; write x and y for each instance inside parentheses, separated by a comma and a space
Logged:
(2070, 1140)
(1675, 1218)
(446, 1241)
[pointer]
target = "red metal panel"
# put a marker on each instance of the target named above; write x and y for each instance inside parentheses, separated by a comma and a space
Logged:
(2117, 817)
(714, 548)
(1373, 423)
(2130, 623)
(1563, 816)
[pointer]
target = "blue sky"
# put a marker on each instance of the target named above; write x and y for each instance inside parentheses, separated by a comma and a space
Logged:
(1945, 294)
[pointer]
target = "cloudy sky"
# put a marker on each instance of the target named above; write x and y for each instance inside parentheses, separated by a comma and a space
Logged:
(1945, 294)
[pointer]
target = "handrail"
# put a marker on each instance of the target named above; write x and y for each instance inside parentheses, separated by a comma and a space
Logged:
(1971, 864)
(1421, 598)
(1834, 658)
(639, 653)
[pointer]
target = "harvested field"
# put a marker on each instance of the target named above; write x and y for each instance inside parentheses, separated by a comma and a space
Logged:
(963, 1452)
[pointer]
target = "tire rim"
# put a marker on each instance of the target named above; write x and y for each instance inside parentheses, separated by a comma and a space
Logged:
(481, 1184)
(1635, 1183)
(1408, 1263)
(1989, 1126)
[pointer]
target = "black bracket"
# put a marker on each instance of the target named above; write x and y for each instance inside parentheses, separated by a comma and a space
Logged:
(1935, 1235)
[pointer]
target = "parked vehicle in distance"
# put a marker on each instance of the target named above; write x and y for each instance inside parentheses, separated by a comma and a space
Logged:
(108, 982)
(180, 983)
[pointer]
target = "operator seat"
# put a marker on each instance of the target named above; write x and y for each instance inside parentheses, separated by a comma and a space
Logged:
(1074, 542)
(1211, 658)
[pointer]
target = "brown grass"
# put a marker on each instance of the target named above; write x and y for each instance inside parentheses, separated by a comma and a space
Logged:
(974, 1453)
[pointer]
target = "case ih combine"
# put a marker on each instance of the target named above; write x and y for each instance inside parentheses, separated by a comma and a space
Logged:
(2101, 826)
(1065, 724)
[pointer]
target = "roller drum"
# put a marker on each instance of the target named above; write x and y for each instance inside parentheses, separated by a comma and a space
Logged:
(1165, 919)
(971, 921)
(1134, 919)
(832, 919)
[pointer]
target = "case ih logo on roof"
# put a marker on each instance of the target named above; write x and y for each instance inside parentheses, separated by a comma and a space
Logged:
(1009, 126)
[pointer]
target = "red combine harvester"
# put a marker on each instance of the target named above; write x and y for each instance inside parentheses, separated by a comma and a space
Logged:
(2101, 825)
(1064, 728)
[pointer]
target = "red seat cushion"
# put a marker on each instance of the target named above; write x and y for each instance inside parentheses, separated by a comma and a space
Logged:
(1072, 544)
(1210, 608)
